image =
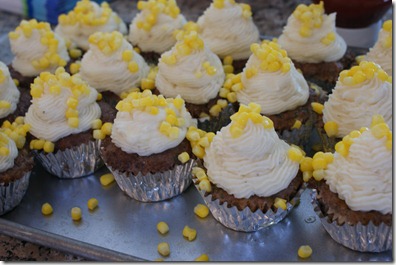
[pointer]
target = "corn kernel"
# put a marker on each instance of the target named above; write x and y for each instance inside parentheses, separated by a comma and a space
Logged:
(107, 128)
(4, 151)
(203, 257)
(98, 134)
(228, 60)
(341, 149)
(133, 67)
(106, 179)
(304, 251)
(331, 128)
(183, 157)
(16, 81)
(46, 209)
(73, 122)
(201, 210)
(75, 53)
(318, 175)
(92, 203)
(96, 124)
(49, 147)
(127, 55)
(295, 154)
(307, 175)
(204, 185)
(380, 130)
(377, 119)
(317, 107)
(163, 249)
(198, 151)
(39, 144)
(215, 110)
(174, 132)
(147, 84)
(319, 163)
(189, 233)
(280, 203)
(76, 213)
(162, 228)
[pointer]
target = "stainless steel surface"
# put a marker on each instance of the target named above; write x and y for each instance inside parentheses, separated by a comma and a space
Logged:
(122, 228)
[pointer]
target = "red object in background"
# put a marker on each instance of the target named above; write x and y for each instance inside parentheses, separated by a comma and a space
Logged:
(356, 13)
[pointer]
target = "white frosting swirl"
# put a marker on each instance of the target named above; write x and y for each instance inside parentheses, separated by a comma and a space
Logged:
(138, 131)
(256, 163)
(363, 179)
(310, 49)
(110, 72)
(79, 33)
(160, 37)
(226, 32)
(276, 92)
(46, 114)
(28, 49)
(7, 162)
(352, 107)
(381, 55)
(8, 92)
(180, 78)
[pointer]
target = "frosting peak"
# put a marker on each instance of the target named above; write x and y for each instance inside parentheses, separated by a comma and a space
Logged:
(9, 93)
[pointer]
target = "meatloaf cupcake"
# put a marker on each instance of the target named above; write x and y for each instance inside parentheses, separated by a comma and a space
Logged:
(36, 49)
(152, 28)
(111, 66)
(61, 117)
(16, 164)
(354, 192)
(361, 92)
(86, 18)
(228, 29)
(148, 152)
(252, 178)
(311, 41)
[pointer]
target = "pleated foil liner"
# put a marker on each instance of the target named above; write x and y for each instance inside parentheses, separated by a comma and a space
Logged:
(359, 237)
(74, 162)
(12, 194)
(246, 220)
(214, 124)
(155, 187)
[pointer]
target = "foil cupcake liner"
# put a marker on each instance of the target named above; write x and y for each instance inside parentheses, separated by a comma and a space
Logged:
(359, 237)
(154, 187)
(214, 124)
(74, 162)
(246, 220)
(12, 193)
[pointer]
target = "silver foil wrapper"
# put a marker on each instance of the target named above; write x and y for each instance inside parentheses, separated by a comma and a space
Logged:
(214, 124)
(359, 237)
(12, 193)
(246, 220)
(74, 162)
(155, 187)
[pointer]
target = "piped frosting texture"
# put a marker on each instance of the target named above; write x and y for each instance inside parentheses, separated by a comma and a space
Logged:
(9, 93)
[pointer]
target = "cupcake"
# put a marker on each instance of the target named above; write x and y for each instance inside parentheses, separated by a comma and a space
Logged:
(36, 49)
(361, 92)
(381, 53)
(250, 178)
(111, 66)
(271, 80)
(311, 41)
(228, 29)
(193, 71)
(16, 164)
(147, 151)
(354, 189)
(86, 18)
(152, 28)
(61, 116)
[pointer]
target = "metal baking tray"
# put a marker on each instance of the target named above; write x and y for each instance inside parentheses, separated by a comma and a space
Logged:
(123, 229)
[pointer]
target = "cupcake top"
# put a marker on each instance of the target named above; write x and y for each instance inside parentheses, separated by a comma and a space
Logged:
(190, 70)
(271, 80)
(381, 53)
(87, 18)
(8, 152)
(361, 92)
(247, 157)
(61, 105)
(148, 124)
(9, 93)
(361, 172)
(310, 36)
(152, 28)
(228, 29)
(36, 48)
(111, 64)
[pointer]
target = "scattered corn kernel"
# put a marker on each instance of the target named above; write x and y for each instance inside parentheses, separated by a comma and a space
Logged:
(201, 210)
(317, 107)
(204, 185)
(76, 213)
(295, 154)
(163, 249)
(163, 228)
(106, 179)
(331, 128)
(203, 257)
(46, 209)
(49, 147)
(280, 203)
(189, 233)
(92, 203)
(107, 128)
(183, 157)
(304, 251)
(297, 125)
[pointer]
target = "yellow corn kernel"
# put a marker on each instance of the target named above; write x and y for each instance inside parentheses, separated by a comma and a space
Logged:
(307, 175)
(306, 164)
(318, 175)
(46, 209)
(211, 70)
(73, 122)
(159, 259)
(341, 149)
(16, 81)
(236, 131)
(127, 55)
(163, 249)
(377, 119)
(319, 163)
(203, 257)
(215, 110)
(205, 185)
(92, 203)
(295, 154)
(382, 75)
(74, 68)
(72, 102)
(328, 157)
(228, 69)
(297, 125)
(99, 97)
(96, 124)
(204, 142)
(268, 123)
(201, 210)
(147, 84)
(304, 251)
(162, 228)
(317, 107)
(280, 203)
(107, 128)
(38, 144)
(189, 233)
(331, 128)
(183, 157)
(49, 147)
(133, 67)
(228, 60)
(106, 179)
(387, 25)
(13, 35)
(198, 151)
(76, 213)
(380, 130)
(98, 134)
(174, 132)
(4, 151)
(75, 53)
